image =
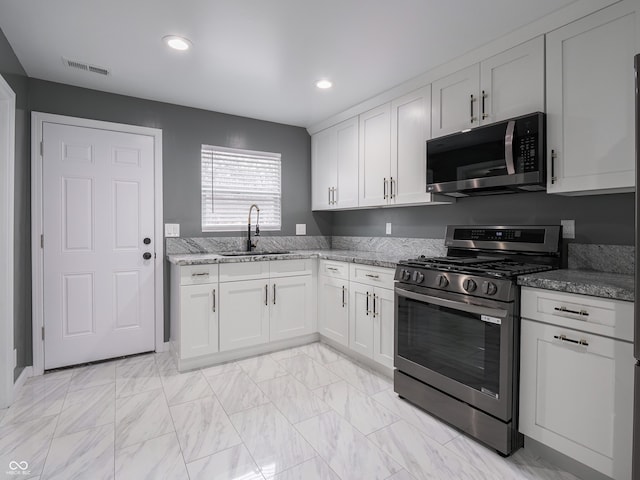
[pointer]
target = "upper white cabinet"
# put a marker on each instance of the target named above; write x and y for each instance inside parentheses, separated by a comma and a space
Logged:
(375, 157)
(503, 86)
(334, 159)
(590, 103)
(392, 167)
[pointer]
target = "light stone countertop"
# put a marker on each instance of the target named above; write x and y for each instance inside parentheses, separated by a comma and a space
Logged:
(616, 286)
(351, 256)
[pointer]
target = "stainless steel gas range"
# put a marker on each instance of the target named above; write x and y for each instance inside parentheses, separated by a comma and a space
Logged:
(457, 327)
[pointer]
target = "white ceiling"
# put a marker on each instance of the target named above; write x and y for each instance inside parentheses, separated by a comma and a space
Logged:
(255, 58)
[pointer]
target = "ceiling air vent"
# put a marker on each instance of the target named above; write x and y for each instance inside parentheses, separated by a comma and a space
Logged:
(85, 67)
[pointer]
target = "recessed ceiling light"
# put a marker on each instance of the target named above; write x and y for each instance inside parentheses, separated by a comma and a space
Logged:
(177, 43)
(324, 84)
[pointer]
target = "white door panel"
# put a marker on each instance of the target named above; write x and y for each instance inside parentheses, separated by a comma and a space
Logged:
(98, 206)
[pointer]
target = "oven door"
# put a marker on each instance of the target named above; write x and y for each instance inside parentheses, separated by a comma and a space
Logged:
(461, 345)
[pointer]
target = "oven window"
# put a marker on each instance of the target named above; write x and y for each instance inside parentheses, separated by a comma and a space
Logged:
(456, 344)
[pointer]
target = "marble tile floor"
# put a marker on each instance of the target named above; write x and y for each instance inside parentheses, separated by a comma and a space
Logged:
(304, 413)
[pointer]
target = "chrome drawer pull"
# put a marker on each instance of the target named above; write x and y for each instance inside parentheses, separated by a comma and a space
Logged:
(205, 274)
(584, 313)
(333, 269)
(371, 276)
(563, 338)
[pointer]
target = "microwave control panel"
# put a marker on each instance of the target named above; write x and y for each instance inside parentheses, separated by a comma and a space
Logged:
(526, 154)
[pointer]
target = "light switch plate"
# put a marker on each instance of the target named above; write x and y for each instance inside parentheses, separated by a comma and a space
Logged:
(301, 228)
(171, 229)
(388, 229)
(568, 228)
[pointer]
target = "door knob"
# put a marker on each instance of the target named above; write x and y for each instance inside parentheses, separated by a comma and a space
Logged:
(146, 255)
(146, 241)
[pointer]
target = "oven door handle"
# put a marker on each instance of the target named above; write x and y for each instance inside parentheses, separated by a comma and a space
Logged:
(443, 302)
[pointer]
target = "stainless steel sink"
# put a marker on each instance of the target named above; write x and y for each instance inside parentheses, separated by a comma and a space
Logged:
(257, 252)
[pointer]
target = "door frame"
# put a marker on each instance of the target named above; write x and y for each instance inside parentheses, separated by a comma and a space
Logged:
(7, 176)
(38, 119)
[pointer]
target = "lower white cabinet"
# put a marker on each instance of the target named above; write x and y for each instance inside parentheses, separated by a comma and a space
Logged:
(371, 322)
(577, 386)
(244, 313)
(333, 309)
(291, 307)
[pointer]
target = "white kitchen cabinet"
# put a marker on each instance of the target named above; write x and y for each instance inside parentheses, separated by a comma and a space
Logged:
(410, 130)
(383, 327)
(333, 308)
(590, 103)
(375, 156)
(194, 310)
(334, 159)
(361, 318)
(503, 86)
(576, 378)
(291, 307)
(244, 313)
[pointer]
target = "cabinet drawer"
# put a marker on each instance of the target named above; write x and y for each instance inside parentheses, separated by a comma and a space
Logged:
(612, 318)
(231, 272)
(198, 274)
(376, 276)
(334, 269)
(287, 268)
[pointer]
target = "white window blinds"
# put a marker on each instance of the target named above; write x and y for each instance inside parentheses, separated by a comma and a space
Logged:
(234, 179)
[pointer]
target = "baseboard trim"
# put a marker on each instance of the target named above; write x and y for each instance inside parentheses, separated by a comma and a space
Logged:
(27, 372)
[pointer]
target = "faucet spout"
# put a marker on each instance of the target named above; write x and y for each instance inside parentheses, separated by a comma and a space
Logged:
(250, 245)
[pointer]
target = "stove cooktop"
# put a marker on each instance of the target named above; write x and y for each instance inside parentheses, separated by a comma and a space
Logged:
(495, 267)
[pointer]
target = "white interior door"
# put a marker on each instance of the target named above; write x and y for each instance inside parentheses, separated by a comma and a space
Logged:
(98, 209)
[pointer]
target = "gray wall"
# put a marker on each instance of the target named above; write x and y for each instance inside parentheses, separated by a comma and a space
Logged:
(12, 71)
(184, 130)
(605, 219)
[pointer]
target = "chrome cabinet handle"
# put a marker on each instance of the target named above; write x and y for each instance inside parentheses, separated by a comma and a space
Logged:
(564, 338)
(213, 308)
(391, 183)
(374, 306)
(371, 275)
(484, 115)
(333, 269)
(554, 179)
(333, 195)
(329, 190)
(584, 313)
(205, 274)
(471, 103)
(343, 297)
(384, 188)
(274, 293)
(266, 294)
(367, 311)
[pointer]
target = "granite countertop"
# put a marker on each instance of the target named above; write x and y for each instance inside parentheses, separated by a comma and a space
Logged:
(352, 256)
(616, 286)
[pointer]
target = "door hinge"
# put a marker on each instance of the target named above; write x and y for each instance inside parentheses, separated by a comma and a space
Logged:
(42, 333)
(42, 240)
(41, 149)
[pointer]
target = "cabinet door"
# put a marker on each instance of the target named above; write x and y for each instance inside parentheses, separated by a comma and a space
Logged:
(590, 103)
(291, 307)
(198, 320)
(361, 318)
(410, 130)
(383, 328)
(512, 82)
(244, 314)
(577, 399)
(375, 156)
(346, 138)
(324, 169)
(455, 103)
(333, 309)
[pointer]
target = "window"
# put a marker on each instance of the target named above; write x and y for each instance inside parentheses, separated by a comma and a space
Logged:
(234, 179)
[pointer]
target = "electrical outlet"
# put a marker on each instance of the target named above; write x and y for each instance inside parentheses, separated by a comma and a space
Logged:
(388, 230)
(568, 228)
(301, 228)
(171, 229)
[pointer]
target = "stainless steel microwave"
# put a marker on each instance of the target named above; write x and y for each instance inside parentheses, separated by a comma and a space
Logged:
(503, 157)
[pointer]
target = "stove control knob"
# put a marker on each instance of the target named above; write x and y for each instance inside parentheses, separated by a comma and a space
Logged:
(489, 288)
(418, 277)
(469, 285)
(406, 275)
(442, 281)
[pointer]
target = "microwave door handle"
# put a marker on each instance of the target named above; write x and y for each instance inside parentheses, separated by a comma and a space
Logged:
(443, 302)
(508, 147)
